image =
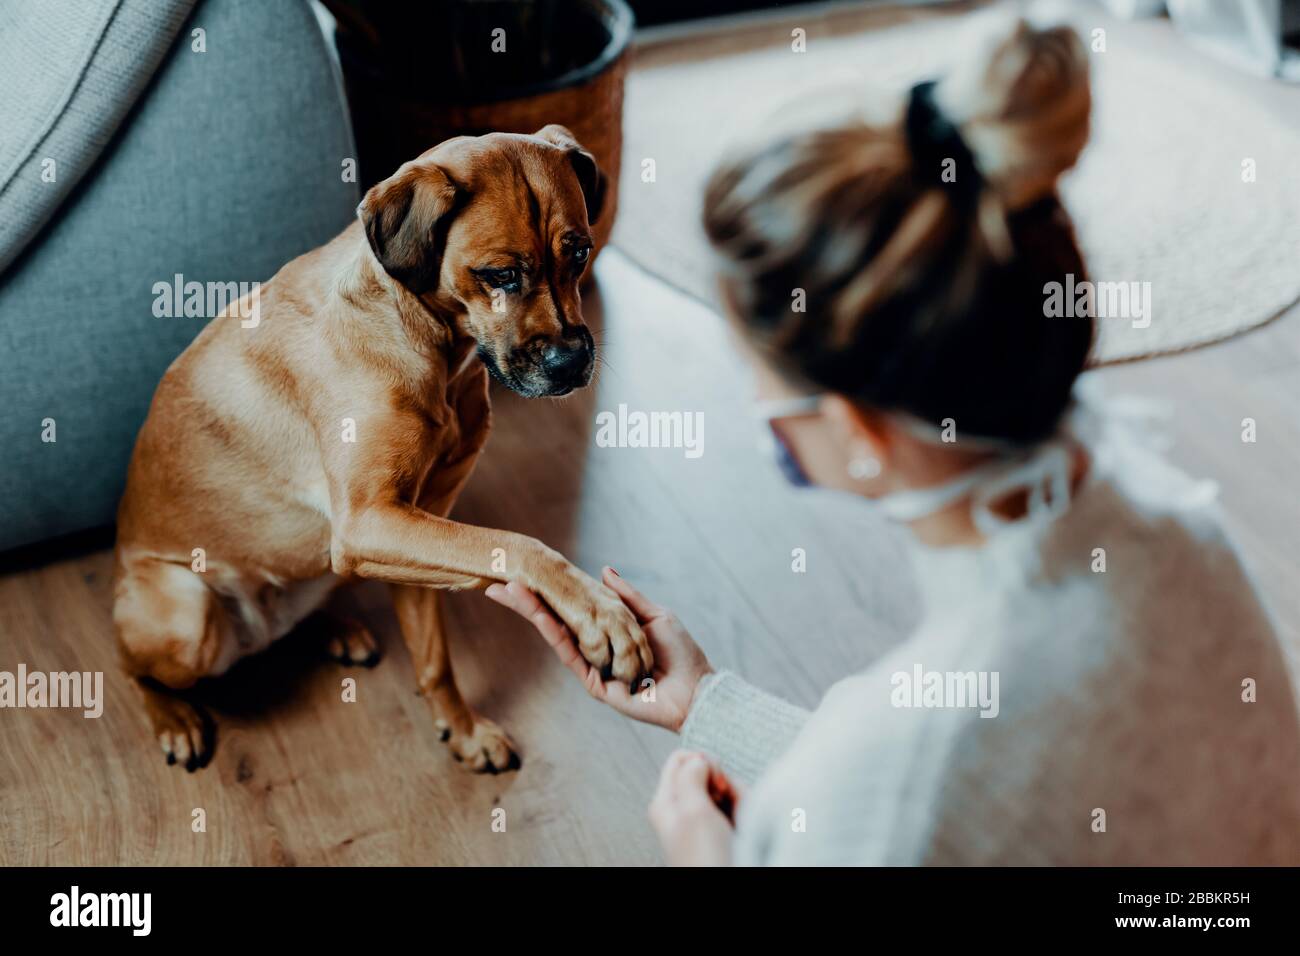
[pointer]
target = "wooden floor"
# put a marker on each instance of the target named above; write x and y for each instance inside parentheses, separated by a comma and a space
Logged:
(300, 777)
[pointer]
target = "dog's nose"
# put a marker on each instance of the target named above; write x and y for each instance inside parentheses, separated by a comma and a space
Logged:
(567, 363)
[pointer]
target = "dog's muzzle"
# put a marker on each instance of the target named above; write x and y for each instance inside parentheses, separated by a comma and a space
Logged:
(568, 365)
(547, 366)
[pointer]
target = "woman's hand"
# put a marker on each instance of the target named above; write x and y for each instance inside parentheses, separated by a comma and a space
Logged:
(679, 662)
(692, 829)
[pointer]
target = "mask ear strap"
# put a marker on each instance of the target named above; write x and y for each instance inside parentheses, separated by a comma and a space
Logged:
(773, 408)
(1048, 468)
(914, 503)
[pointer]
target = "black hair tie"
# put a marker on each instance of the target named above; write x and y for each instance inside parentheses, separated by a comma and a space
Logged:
(932, 138)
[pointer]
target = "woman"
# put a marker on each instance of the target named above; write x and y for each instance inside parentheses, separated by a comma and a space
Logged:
(1094, 680)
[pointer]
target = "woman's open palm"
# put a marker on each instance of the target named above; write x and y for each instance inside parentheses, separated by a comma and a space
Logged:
(665, 698)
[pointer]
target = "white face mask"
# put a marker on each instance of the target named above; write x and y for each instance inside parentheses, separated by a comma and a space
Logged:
(1043, 472)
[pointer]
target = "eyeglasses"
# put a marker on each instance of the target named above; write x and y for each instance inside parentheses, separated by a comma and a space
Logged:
(769, 414)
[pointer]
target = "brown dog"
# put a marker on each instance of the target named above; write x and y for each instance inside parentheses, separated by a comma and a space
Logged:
(330, 439)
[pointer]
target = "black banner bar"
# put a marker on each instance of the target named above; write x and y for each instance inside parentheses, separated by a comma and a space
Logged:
(337, 905)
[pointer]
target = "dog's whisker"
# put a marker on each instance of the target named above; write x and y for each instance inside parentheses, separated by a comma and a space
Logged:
(601, 365)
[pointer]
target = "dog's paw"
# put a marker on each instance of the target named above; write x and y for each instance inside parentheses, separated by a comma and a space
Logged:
(184, 732)
(612, 641)
(350, 642)
(484, 748)
(607, 633)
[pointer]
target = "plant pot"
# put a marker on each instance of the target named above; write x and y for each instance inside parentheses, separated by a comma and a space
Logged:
(418, 75)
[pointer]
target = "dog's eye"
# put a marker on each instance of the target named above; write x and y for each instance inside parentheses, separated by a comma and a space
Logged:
(581, 254)
(507, 279)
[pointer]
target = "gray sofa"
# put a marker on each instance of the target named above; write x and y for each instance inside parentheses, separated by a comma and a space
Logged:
(223, 165)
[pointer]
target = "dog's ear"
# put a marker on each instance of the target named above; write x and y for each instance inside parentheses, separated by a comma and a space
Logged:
(406, 218)
(590, 178)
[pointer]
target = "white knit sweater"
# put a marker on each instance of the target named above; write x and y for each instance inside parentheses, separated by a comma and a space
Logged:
(1121, 735)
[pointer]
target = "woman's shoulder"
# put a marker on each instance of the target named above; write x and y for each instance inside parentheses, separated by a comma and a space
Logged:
(1138, 513)
(1143, 571)
(1131, 479)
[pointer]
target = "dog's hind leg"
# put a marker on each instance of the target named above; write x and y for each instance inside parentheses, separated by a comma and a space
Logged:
(171, 631)
(476, 741)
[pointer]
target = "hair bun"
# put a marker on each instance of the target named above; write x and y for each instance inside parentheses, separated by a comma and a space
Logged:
(1022, 104)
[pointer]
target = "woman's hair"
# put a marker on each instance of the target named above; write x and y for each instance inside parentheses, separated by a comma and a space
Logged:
(922, 247)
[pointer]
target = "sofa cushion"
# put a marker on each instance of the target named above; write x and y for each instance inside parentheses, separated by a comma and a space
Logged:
(232, 163)
(72, 73)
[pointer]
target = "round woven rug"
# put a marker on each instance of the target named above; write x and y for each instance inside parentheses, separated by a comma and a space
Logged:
(1162, 207)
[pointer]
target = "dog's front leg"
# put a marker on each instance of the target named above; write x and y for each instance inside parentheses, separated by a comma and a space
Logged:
(395, 542)
(478, 742)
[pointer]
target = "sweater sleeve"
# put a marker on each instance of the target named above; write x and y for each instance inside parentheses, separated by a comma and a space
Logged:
(741, 726)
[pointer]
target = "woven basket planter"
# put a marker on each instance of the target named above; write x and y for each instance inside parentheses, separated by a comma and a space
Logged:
(418, 75)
